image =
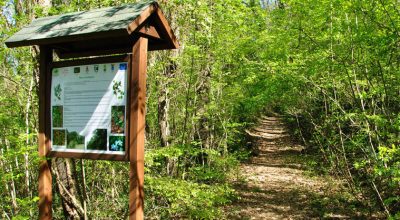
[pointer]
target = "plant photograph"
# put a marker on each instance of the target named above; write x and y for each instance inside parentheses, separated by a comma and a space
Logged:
(118, 119)
(117, 143)
(55, 72)
(59, 137)
(58, 91)
(118, 89)
(57, 116)
(75, 141)
(77, 70)
(98, 140)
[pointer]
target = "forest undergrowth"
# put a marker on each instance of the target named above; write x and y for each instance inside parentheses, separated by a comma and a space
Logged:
(331, 67)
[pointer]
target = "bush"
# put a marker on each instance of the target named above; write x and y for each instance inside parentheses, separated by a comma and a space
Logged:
(173, 198)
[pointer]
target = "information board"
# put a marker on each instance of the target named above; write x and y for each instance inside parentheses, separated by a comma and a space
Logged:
(88, 108)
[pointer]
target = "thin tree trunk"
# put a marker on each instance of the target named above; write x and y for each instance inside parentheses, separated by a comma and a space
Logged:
(73, 208)
(13, 193)
(164, 104)
(84, 196)
(189, 84)
(27, 142)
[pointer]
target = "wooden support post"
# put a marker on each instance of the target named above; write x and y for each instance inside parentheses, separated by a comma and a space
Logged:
(138, 69)
(45, 179)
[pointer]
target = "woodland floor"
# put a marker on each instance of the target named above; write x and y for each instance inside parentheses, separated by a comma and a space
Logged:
(278, 183)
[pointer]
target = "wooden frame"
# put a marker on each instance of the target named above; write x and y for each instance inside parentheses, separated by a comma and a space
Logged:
(84, 155)
(137, 106)
(45, 178)
(146, 32)
(136, 102)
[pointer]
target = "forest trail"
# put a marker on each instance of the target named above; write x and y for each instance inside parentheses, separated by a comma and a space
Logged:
(275, 184)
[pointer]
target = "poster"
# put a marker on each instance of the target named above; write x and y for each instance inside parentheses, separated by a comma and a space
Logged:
(88, 108)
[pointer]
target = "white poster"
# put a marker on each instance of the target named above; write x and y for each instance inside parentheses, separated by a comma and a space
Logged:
(88, 108)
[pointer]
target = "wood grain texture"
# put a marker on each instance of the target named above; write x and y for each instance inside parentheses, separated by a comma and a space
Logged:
(149, 32)
(140, 20)
(137, 128)
(90, 156)
(89, 61)
(45, 179)
(165, 30)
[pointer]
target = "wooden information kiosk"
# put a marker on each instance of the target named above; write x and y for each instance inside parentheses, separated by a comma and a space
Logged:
(92, 102)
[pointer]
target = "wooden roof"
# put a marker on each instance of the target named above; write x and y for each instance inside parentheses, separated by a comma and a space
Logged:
(99, 32)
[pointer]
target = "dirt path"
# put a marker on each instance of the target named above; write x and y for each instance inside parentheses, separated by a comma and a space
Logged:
(276, 185)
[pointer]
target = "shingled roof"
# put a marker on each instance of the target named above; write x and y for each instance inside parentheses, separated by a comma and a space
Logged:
(111, 29)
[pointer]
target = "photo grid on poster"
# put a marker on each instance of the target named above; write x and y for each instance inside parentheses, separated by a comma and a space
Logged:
(88, 112)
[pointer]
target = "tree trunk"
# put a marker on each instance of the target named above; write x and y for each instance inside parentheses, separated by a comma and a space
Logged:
(67, 186)
(27, 142)
(163, 107)
(13, 193)
(203, 90)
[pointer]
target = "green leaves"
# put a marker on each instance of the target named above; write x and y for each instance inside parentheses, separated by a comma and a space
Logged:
(332, 64)
(183, 199)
